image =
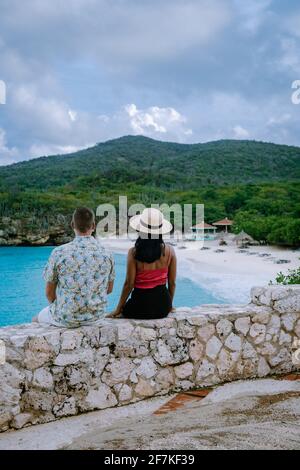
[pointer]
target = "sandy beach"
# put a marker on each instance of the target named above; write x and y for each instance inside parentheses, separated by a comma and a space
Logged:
(229, 274)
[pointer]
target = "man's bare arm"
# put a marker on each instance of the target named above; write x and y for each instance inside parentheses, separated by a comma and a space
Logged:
(51, 291)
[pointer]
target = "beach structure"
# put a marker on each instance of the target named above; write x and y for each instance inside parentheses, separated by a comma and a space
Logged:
(203, 231)
(243, 238)
(223, 224)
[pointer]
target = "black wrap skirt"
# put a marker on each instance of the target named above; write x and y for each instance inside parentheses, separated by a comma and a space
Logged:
(148, 304)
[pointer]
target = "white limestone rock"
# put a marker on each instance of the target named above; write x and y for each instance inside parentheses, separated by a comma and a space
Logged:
(125, 330)
(206, 332)
(39, 400)
(101, 359)
(257, 332)
(65, 408)
(297, 328)
(226, 361)
(242, 325)
(248, 351)
(65, 359)
(21, 419)
(100, 398)
(291, 303)
(183, 385)
(213, 347)
(255, 294)
(147, 368)
(273, 327)
(224, 327)
(244, 369)
(125, 393)
(10, 396)
(262, 317)
(133, 377)
(289, 321)
(11, 376)
(165, 378)
(281, 357)
(184, 371)
(117, 371)
(267, 349)
(5, 419)
(37, 353)
(285, 338)
(196, 350)
(132, 347)
(108, 335)
(144, 389)
(185, 330)
(263, 369)
(233, 342)
(70, 339)
(172, 350)
(42, 378)
(145, 334)
(206, 368)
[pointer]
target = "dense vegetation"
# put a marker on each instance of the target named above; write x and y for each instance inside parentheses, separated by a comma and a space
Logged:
(255, 183)
(293, 277)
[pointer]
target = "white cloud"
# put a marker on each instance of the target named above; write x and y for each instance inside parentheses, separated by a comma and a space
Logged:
(8, 155)
(240, 132)
(128, 30)
(279, 119)
(291, 24)
(253, 14)
(72, 115)
(290, 59)
(155, 120)
(41, 150)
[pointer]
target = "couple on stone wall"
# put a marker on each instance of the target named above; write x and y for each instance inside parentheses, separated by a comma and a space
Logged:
(79, 275)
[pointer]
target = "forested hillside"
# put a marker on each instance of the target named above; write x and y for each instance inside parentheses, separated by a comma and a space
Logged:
(255, 183)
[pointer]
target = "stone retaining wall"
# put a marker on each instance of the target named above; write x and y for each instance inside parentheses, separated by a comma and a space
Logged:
(53, 372)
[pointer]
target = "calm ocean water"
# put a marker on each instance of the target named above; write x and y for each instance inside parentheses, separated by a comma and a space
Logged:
(22, 286)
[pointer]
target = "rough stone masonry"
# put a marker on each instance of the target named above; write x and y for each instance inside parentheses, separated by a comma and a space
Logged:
(53, 372)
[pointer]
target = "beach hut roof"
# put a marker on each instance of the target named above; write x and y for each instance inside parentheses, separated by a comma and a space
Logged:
(225, 221)
(203, 225)
(243, 236)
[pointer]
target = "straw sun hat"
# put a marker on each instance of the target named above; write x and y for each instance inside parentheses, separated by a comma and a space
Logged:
(151, 221)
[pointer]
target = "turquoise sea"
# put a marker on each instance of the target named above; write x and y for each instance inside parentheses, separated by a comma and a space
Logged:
(22, 287)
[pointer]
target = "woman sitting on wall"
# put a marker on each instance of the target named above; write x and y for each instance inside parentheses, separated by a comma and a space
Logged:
(151, 270)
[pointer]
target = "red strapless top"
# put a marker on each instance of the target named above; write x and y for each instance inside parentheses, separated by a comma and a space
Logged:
(149, 278)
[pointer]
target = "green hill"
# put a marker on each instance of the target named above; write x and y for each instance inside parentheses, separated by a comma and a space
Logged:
(161, 164)
(255, 183)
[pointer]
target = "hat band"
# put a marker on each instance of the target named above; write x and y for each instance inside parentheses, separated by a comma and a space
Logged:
(150, 227)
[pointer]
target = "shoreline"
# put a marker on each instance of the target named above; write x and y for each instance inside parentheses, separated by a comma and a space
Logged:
(230, 274)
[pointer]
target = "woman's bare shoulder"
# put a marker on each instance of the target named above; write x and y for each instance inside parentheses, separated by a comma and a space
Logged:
(131, 252)
(170, 250)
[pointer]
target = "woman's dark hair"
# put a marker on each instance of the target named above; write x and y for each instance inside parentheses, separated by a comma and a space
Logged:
(148, 250)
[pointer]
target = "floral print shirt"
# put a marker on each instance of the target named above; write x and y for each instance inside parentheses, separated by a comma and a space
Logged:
(82, 270)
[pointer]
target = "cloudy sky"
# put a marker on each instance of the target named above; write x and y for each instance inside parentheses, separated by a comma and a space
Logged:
(80, 72)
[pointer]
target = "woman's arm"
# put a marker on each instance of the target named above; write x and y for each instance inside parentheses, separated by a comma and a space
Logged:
(172, 274)
(128, 284)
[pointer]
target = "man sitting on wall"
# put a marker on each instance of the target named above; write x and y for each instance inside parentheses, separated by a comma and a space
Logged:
(79, 275)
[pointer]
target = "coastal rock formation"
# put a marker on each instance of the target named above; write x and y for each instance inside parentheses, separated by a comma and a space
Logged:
(49, 372)
(34, 232)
